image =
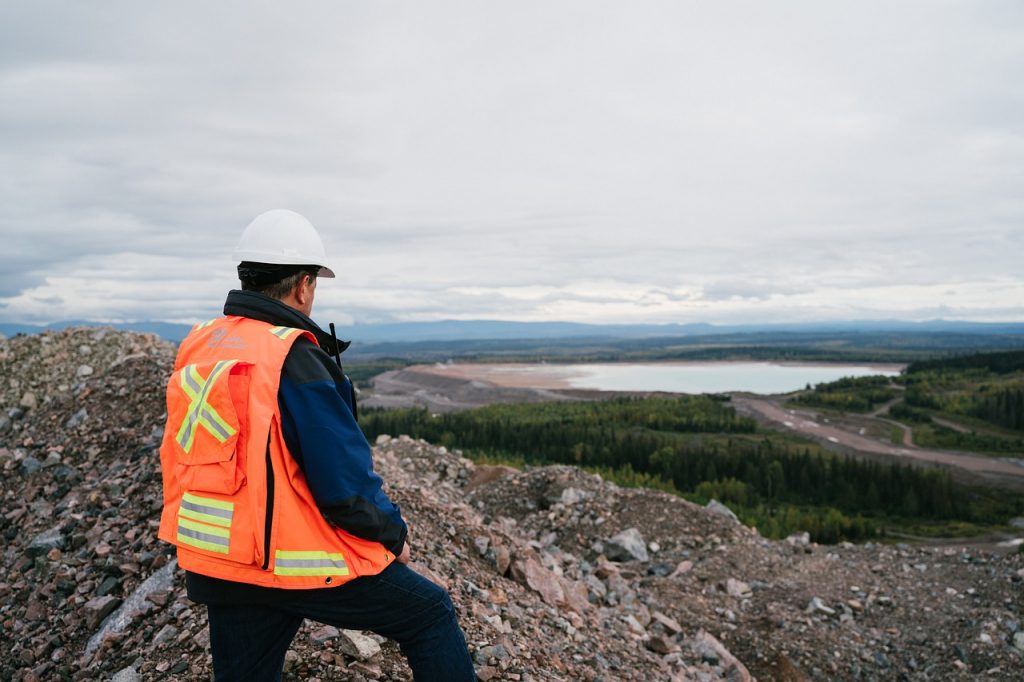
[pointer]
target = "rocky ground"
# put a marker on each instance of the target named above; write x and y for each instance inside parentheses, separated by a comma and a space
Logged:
(557, 575)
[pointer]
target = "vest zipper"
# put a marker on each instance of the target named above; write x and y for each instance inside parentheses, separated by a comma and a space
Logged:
(268, 522)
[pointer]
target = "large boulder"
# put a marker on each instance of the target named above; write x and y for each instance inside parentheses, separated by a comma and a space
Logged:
(628, 545)
(719, 508)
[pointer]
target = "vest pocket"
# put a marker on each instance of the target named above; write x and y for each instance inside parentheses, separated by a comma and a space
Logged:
(215, 527)
(207, 405)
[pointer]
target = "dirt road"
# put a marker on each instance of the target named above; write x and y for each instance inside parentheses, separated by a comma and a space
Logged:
(808, 423)
(446, 389)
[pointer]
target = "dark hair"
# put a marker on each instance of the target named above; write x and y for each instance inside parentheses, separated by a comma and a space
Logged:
(281, 288)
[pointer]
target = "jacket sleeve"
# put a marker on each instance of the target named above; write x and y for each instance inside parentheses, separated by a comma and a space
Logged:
(330, 448)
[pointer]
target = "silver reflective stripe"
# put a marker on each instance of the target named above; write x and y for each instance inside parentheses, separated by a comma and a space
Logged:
(187, 377)
(311, 563)
(205, 537)
(212, 424)
(203, 509)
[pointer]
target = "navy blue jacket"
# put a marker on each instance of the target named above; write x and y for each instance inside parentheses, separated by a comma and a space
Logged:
(320, 430)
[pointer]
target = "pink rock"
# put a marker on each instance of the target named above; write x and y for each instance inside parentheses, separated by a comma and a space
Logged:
(95, 610)
(682, 569)
(736, 671)
(670, 624)
(542, 581)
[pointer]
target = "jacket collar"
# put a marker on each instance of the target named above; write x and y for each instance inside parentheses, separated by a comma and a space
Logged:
(261, 307)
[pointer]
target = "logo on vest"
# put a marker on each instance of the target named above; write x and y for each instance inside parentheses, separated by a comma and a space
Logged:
(220, 339)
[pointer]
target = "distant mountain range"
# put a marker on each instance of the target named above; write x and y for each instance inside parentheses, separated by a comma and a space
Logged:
(472, 330)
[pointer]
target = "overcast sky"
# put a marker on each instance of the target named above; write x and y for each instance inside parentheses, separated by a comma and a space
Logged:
(596, 162)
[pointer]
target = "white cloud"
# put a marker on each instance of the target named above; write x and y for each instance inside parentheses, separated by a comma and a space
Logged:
(640, 161)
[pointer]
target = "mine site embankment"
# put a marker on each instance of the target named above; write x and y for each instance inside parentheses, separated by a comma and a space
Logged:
(556, 574)
(456, 386)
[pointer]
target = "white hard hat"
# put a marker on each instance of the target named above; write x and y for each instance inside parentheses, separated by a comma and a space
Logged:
(282, 237)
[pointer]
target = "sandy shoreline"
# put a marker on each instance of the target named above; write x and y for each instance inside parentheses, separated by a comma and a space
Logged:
(552, 376)
(507, 375)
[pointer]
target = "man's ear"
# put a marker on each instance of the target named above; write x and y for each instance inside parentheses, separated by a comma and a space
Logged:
(304, 289)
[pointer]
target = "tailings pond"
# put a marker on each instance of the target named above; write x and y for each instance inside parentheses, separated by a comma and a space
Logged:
(674, 377)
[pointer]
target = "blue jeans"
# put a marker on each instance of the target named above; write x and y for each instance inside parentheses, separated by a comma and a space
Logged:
(249, 642)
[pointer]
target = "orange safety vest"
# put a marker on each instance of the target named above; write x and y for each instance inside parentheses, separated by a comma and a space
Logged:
(236, 504)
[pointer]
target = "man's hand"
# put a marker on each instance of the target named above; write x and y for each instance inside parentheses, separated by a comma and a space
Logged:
(403, 558)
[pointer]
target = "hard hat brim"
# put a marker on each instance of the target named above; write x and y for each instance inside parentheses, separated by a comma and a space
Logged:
(277, 259)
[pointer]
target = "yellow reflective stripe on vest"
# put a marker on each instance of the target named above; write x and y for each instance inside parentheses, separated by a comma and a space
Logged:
(206, 537)
(309, 563)
(282, 332)
(205, 509)
(199, 412)
(205, 324)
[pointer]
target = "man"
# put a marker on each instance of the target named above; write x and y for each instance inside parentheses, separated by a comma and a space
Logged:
(269, 490)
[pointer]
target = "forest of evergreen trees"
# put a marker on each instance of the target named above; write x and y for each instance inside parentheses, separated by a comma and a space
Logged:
(1003, 407)
(1003, 362)
(700, 446)
(986, 386)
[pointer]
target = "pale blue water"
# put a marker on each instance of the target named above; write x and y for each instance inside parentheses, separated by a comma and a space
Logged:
(710, 377)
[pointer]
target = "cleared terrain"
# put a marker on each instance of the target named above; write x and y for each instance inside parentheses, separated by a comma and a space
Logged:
(442, 388)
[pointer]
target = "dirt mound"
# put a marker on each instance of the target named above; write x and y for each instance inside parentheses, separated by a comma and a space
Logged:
(557, 574)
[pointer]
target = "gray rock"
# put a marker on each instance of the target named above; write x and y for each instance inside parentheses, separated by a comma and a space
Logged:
(660, 570)
(76, 419)
(596, 590)
(324, 634)
(719, 508)
(30, 465)
(1017, 522)
(799, 539)
(634, 624)
(1018, 640)
(29, 401)
(571, 496)
(52, 459)
(485, 654)
(161, 581)
(45, 541)
(737, 588)
(818, 606)
(357, 645)
(481, 542)
(166, 634)
(109, 584)
(128, 674)
(5, 423)
(628, 545)
(83, 371)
